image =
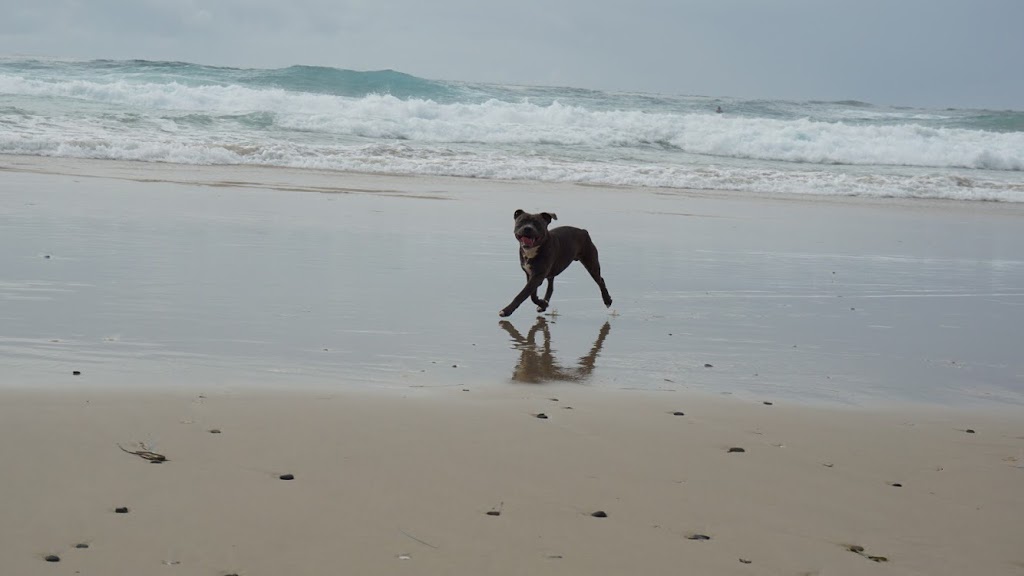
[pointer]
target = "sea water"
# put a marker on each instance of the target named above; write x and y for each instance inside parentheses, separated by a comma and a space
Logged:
(390, 122)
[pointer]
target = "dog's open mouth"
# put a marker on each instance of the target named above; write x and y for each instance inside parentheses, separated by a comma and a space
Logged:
(527, 241)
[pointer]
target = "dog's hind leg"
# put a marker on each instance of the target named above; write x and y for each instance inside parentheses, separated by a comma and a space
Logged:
(589, 259)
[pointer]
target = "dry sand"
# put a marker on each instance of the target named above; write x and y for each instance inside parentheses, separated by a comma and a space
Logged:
(350, 339)
(388, 484)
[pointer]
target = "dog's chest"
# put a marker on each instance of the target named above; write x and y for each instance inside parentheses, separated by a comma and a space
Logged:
(526, 259)
(527, 266)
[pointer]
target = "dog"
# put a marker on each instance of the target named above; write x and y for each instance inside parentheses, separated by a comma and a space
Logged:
(544, 254)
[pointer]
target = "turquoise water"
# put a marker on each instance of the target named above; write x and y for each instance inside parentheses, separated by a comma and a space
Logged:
(391, 122)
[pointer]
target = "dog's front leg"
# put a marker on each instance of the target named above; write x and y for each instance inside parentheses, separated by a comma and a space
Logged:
(529, 290)
(547, 294)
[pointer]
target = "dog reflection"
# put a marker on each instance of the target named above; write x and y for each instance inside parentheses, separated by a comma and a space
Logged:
(537, 364)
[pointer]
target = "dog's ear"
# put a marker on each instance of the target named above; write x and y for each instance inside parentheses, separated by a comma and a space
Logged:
(518, 214)
(548, 216)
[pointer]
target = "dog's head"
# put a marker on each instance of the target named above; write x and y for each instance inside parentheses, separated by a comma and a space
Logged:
(532, 229)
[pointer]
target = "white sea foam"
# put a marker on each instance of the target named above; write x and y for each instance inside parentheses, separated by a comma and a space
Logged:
(524, 123)
(839, 149)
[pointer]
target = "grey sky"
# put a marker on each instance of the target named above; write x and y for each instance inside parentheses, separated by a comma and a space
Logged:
(906, 52)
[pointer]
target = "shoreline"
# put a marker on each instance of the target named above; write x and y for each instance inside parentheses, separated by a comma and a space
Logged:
(423, 185)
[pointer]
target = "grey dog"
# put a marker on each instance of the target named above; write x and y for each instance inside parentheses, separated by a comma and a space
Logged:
(544, 254)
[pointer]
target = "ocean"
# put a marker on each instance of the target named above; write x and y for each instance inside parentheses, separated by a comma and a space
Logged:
(395, 123)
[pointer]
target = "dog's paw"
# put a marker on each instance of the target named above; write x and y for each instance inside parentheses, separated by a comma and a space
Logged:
(542, 306)
(502, 314)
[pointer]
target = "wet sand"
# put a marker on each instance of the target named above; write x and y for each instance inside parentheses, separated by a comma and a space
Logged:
(158, 275)
(343, 328)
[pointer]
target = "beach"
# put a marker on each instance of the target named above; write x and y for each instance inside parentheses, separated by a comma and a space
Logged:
(783, 385)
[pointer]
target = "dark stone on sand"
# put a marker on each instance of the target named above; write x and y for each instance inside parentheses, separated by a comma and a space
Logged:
(52, 558)
(81, 546)
(969, 431)
(157, 461)
(698, 537)
(708, 366)
(542, 416)
(121, 510)
(736, 449)
(47, 256)
(494, 513)
(855, 549)
(600, 514)
(215, 431)
(76, 373)
(878, 558)
(896, 485)
(678, 414)
(745, 561)
(287, 477)
(455, 365)
(767, 403)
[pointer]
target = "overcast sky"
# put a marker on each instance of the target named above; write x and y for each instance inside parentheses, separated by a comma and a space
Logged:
(938, 53)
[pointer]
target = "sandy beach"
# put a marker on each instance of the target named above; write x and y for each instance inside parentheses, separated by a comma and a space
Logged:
(783, 386)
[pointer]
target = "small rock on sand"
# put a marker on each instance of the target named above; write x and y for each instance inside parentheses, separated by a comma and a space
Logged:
(542, 416)
(708, 366)
(736, 449)
(121, 510)
(698, 537)
(287, 477)
(81, 546)
(600, 514)
(678, 414)
(52, 558)
(76, 373)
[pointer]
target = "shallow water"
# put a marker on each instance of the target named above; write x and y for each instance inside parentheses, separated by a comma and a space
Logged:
(158, 283)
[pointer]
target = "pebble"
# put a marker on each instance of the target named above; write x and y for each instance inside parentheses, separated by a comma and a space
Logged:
(76, 373)
(542, 416)
(678, 414)
(767, 403)
(600, 514)
(215, 431)
(736, 449)
(969, 431)
(52, 558)
(494, 513)
(121, 510)
(287, 477)
(708, 366)
(81, 546)
(698, 537)
(896, 485)
(745, 561)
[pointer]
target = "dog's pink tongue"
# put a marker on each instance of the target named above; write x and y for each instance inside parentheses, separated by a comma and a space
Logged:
(526, 241)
